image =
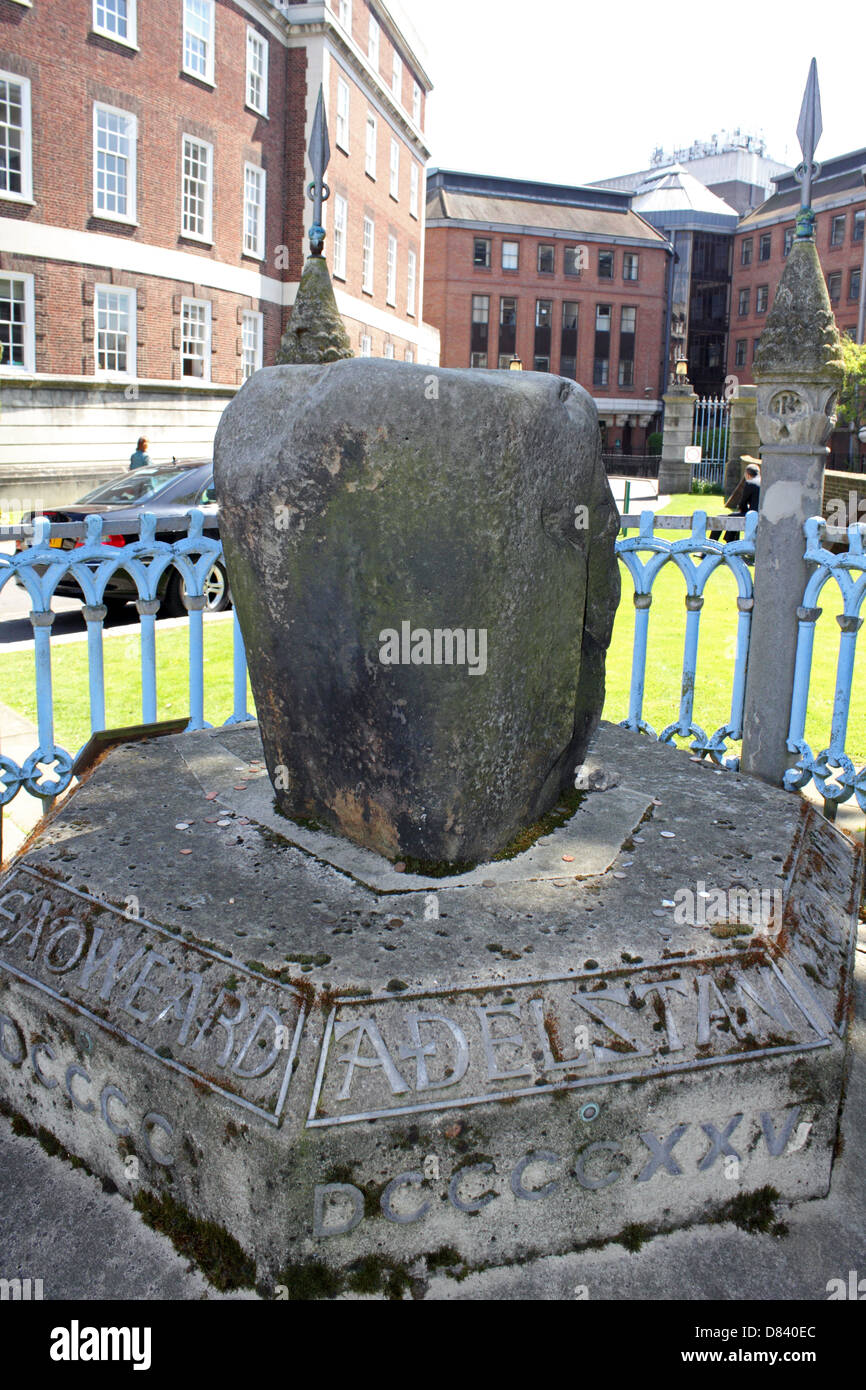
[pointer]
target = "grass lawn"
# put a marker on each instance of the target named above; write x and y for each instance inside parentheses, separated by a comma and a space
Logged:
(123, 680)
(716, 651)
(664, 667)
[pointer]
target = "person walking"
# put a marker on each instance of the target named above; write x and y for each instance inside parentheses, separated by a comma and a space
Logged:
(140, 459)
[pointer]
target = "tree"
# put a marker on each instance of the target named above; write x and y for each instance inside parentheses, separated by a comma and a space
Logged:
(852, 397)
(851, 403)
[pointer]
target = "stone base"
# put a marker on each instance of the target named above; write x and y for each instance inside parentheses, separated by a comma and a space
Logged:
(340, 1064)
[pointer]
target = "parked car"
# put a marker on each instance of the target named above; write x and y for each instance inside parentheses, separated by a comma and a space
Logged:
(164, 489)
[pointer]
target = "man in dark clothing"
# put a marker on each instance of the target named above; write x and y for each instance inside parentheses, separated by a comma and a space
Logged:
(747, 491)
(750, 498)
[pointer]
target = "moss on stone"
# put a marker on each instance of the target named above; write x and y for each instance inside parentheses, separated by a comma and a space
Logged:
(753, 1212)
(309, 1280)
(217, 1253)
(316, 332)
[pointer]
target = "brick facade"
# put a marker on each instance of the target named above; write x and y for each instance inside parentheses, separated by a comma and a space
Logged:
(453, 279)
(70, 68)
(369, 195)
(845, 258)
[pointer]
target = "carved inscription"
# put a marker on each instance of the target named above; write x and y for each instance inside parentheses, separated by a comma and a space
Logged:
(339, 1207)
(410, 1054)
(189, 1007)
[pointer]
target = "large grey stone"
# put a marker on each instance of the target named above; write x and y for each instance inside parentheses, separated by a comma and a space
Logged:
(364, 498)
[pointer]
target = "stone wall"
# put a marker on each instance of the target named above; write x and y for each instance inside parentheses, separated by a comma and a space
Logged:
(61, 438)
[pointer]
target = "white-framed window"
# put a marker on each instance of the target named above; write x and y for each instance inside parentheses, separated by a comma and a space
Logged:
(343, 114)
(196, 339)
(373, 42)
(115, 335)
(198, 39)
(395, 170)
(367, 248)
(16, 161)
(252, 328)
(17, 323)
(254, 211)
(370, 146)
(257, 71)
(416, 103)
(197, 211)
(391, 290)
(411, 283)
(389, 351)
(414, 186)
(409, 355)
(366, 345)
(345, 14)
(116, 19)
(341, 220)
(397, 76)
(115, 137)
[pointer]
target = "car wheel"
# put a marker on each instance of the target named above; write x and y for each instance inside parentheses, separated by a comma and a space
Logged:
(215, 589)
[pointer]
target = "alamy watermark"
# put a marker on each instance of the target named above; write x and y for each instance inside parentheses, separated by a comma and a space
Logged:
(21, 1290)
(710, 907)
(443, 646)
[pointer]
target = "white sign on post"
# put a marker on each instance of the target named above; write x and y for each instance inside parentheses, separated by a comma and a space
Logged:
(692, 453)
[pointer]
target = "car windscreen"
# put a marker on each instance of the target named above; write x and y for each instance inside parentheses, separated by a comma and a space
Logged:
(138, 486)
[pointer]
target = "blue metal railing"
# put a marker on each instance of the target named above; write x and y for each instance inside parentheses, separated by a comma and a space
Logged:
(48, 770)
(40, 568)
(713, 555)
(839, 786)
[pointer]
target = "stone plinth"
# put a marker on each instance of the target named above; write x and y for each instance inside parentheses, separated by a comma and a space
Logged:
(347, 1074)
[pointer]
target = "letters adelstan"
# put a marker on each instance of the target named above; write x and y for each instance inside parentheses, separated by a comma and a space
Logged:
(430, 1052)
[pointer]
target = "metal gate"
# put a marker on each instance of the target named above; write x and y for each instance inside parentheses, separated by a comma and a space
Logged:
(712, 415)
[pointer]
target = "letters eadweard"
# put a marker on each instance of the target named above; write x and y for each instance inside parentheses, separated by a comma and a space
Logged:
(188, 1007)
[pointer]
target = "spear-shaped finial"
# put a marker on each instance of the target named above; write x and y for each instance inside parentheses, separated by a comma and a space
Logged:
(318, 190)
(809, 130)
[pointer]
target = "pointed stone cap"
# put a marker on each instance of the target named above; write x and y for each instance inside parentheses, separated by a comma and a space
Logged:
(801, 338)
(316, 333)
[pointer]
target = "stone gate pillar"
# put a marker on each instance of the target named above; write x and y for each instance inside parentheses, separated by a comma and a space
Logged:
(798, 371)
(675, 475)
(743, 437)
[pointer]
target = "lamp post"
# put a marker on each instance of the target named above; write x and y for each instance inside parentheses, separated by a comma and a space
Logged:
(515, 365)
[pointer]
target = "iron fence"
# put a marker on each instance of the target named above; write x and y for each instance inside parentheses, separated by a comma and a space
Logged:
(631, 465)
(712, 416)
(49, 769)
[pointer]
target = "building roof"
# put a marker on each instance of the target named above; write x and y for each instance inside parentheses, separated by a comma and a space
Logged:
(736, 167)
(840, 182)
(674, 197)
(526, 206)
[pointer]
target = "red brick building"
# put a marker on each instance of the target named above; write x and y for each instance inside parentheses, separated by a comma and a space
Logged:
(153, 215)
(761, 245)
(568, 280)
(764, 238)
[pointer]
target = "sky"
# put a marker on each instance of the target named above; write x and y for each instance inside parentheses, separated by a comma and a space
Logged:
(569, 91)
